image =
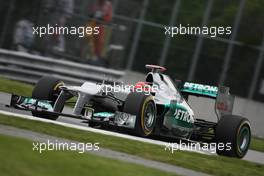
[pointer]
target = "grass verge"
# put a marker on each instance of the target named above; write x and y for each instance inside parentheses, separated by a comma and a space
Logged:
(215, 165)
(15, 87)
(23, 161)
(257, 144)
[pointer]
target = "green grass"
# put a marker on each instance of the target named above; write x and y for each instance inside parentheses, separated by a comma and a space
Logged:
(215, 165)
(15, 87)
(257, 144)
(23, 161)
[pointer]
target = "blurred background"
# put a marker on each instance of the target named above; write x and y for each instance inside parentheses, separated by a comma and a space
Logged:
(133, 35)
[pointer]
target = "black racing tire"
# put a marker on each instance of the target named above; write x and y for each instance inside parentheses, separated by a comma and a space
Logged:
(234, 131)
(143, 106)
(47, 88)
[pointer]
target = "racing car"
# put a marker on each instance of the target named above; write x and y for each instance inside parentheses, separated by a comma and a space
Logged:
(157, 106)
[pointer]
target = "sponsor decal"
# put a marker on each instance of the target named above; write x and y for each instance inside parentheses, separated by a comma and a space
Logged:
(200, 89)
(179, 112)
(183, 115)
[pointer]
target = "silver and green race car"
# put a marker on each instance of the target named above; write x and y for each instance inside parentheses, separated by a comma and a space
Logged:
(157, 106)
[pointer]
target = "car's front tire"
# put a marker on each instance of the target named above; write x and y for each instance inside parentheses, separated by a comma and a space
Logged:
(143, 106)
(47, 88)
(234, 131)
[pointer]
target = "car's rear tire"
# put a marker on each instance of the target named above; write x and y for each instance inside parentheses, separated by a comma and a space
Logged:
(143, 106)
(47, 88)
(236, 131)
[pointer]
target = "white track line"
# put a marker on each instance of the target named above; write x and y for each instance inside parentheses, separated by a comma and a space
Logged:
(89, 129)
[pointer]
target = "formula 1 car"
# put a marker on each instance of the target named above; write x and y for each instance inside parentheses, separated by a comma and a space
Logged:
(157, 106)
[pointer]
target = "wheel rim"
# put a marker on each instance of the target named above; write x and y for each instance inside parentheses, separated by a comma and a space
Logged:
(149, 116)
(243, 139)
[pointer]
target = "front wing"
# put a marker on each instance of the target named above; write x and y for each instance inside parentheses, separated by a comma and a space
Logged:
(117, 118)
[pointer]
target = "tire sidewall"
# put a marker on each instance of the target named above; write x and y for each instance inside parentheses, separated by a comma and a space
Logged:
(238, 151)
(135, 104)
(141, 117)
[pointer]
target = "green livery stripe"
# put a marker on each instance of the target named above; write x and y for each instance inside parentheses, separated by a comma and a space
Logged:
(103, 114)
(175, 106)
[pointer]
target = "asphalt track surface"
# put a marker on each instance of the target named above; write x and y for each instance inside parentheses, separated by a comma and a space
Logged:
(252, 156)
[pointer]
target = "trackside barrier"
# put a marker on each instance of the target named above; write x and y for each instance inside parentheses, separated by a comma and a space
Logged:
(29, 68)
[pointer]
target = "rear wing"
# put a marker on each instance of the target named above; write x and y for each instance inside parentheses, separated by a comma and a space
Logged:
(224, 101)
(199, 89)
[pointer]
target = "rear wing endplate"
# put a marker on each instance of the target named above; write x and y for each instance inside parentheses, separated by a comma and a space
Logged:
(224, 102)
